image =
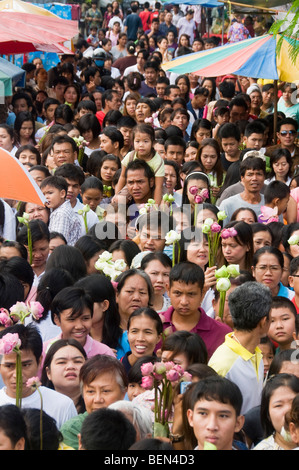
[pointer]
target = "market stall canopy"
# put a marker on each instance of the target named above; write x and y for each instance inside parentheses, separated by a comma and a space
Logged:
(202, 3)
(25, 7)
(255, 57)
(16, 182)
(10, 76)
(26, 32)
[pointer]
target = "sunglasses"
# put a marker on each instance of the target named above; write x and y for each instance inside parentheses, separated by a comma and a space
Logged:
(283, 133)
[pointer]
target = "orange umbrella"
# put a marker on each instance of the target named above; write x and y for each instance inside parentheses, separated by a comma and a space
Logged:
(16, 182)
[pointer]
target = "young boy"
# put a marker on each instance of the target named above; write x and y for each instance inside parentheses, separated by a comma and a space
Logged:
(186, 281)
(58, 406)
(215, 413)
(282, 322)
(229, 137)
(175, 147)
(62, 217)
(276, 197)
(254, 135)
(74, 177)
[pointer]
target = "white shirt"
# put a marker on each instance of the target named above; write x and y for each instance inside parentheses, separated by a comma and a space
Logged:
(92, 218)
(9, 228)
(55, 404)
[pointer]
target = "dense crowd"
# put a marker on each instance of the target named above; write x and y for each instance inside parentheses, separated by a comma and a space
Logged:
(134, 163)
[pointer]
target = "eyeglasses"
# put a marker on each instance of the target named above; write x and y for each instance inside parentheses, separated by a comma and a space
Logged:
(284, 133)
(270, 268)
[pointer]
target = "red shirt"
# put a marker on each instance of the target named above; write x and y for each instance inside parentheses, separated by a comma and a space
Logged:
(297, 308)
(211, 331)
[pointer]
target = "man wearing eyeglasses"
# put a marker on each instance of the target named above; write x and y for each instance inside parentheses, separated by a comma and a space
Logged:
(287, 131)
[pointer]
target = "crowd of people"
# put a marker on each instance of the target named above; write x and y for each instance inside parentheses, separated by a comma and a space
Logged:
(127, 155)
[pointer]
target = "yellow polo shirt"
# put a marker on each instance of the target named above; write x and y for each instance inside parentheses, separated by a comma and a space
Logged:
(234, 362)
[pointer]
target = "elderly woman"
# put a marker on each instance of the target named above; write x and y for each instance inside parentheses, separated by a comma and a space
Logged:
(103, 381)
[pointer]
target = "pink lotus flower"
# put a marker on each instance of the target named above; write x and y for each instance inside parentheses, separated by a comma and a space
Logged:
(5, 319)
(229, 232)
(198, 199)
(147, 369)
(205, 193)
(193, 190)
(36, 310)
(9, 342)
(33, 382)
(147, 382)
(173, 375)
(216, 228)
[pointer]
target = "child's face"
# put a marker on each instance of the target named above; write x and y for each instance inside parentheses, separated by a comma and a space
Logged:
(221, 119)
(54, 196)
(134, 389)
(49, 114)
(76, 328)
(230, 146)
(73, 190)
(282, 205)
(215, 423)
(282, 326)
(178, 359)
(268, 356)
(92, 197)
(143, 144)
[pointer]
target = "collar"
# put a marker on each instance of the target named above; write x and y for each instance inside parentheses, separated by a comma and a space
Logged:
(239, 349)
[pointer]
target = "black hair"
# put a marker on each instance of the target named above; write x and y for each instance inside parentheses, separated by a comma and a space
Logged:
(39, 231)
(69, 258)
(73, 298)
(129, 248)
(12, 423)
(219, 389)
(71, 172)
(188, 273)
(52, 282)
(92, 182)
(54, 181)
(276, 189)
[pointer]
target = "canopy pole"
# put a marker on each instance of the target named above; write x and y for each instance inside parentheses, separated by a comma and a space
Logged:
(275, 111)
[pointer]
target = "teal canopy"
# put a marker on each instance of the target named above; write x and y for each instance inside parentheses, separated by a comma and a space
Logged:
(11, 76)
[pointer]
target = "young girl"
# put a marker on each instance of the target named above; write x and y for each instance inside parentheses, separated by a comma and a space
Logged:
(209, 157)
(158, 265)
(7, 138)
(237, 245)
(191, 151)
(105, 321)
(62, 368)
(92, 192)
(108, 167)
(277, 397)
(40, 246)
(144, 333)
(194, 179)
(144, 138)
(24, 127)
(90, 129)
